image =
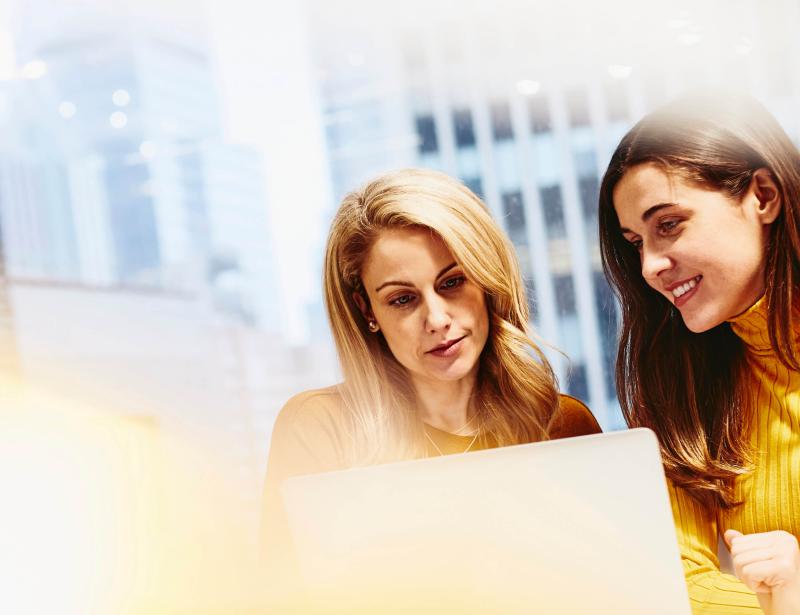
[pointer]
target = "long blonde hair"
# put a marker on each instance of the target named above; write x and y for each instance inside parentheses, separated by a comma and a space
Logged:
(516, 392)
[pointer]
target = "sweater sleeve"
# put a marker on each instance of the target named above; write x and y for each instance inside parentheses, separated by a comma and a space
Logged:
(711, 592)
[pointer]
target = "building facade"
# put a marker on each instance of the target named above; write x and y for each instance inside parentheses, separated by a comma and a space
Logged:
(526, 112)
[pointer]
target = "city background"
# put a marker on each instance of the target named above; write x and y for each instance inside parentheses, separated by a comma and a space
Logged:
(168, 171)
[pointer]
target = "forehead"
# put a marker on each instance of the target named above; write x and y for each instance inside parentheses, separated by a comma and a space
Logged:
(405, 253)
(642, 187)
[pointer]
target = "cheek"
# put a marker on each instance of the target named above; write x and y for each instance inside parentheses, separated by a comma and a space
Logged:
(653, 283)
(399, 331)
(478, 315)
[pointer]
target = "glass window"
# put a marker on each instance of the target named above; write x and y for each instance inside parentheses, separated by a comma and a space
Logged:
(539, 113)
(475, 184)
(585, 162)
(565, 295)
(547, 155)
(506, 166)
(426, 131)
(464, 130)
(501, 121)
(589, 192)
(606, 306)
(577, 384)
(553, 208)
(514, 214)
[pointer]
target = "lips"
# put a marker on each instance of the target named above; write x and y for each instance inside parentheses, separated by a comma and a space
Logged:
(684, 290)
(446, 348)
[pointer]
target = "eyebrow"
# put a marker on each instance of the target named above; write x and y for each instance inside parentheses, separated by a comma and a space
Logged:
(649, 214)
(404, 283)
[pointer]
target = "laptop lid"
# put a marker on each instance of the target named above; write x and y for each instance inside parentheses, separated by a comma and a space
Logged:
(580, 525)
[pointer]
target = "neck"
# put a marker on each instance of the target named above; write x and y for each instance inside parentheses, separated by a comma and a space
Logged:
(446, 405)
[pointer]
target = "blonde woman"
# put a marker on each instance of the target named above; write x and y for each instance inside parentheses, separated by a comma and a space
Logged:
(430, 321)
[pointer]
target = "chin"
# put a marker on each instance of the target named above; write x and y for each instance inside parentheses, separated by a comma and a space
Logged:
(450, 376)
(453, 373)
(701, 323)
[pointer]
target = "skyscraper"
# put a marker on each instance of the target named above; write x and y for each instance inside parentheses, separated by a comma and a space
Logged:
(525, 103)
(148, 185)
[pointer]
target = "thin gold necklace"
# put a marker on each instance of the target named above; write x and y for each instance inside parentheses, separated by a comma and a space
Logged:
(458, 431)
(438, 450)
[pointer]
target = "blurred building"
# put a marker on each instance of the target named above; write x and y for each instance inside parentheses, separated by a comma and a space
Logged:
(525, 104)
(135, 249)
(141, 186)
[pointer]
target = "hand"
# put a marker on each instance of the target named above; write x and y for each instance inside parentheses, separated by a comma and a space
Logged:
(767, 562)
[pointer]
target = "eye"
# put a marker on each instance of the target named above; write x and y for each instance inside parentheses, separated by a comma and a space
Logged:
(667, 226)
(636, 243)
(453, 282)
(402, 300)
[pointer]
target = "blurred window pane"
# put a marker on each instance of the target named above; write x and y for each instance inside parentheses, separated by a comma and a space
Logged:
(475, 184)
(539, 113)
(565, 295)
(577, 384)
(426, 131)
(501, 121)
(589, 191)
(462, 125)
(553, 209)
(585, 162)
(606, 305)
(514, 214)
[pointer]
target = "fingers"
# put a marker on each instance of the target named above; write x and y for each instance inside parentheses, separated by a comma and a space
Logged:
(766, 560)
(730, 535)
(780, 541)
(755, 555)
(764, 576)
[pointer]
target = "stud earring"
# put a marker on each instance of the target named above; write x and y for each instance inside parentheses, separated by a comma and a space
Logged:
(373, 325)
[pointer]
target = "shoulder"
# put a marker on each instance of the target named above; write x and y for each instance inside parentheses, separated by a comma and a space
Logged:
(572, 418)
(310, 432)
(311, 406)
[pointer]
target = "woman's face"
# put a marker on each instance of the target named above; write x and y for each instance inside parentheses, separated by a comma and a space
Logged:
(434, 319)
(701, 249)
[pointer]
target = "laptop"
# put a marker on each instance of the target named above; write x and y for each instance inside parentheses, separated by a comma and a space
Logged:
(573, 526)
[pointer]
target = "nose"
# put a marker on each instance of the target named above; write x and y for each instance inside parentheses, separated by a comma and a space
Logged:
(654, 262)
(438, 315)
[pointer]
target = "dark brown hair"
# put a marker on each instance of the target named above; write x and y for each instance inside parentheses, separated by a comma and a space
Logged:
(689, 387)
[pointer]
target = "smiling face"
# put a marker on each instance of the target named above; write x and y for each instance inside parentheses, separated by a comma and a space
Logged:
(701, 249)
(434, 319)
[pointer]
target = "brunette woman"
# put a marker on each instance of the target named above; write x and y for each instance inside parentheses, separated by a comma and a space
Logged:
(699, 235)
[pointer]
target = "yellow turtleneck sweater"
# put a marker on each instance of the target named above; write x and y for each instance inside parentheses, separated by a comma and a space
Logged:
(770, 494)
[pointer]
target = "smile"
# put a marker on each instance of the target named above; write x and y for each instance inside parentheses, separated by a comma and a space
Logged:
(448, 348)
(683, 292)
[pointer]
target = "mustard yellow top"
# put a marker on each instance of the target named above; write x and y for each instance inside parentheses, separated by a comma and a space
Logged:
(770, 494)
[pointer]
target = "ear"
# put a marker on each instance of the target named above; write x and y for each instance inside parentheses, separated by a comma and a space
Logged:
(362, 304)
(768, 195)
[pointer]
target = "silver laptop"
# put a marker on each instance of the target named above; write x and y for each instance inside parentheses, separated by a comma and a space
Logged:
(574, 526)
